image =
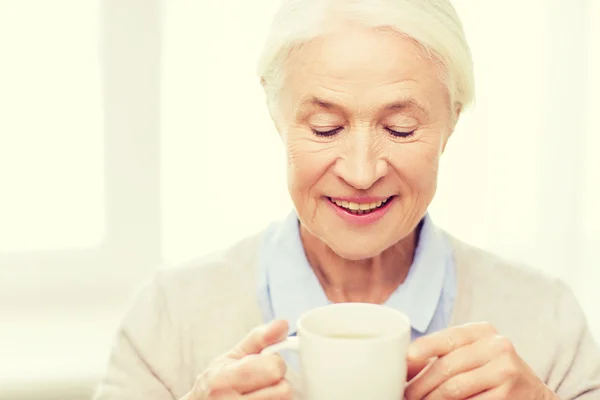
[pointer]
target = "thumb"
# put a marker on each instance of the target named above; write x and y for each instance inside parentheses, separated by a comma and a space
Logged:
(260, 338)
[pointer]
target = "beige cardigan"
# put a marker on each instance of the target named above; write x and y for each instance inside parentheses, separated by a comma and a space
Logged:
(190, 315)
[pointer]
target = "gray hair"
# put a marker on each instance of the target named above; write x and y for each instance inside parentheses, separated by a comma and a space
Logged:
(433, 24)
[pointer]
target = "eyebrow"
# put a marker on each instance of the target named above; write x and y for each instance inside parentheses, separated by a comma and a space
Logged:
(314, 101)
(401, 105)
(408, 104)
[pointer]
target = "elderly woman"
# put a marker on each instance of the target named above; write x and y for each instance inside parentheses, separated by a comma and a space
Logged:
(365, 95)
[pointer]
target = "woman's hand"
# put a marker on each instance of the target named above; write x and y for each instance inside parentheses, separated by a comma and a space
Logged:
(244, 374)
(470, 362)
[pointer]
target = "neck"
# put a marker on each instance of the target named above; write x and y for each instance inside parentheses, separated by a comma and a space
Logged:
(370, 280)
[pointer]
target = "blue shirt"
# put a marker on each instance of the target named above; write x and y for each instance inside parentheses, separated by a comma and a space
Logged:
(288, 286)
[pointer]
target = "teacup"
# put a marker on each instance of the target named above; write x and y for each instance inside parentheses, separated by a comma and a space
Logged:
(350, 351)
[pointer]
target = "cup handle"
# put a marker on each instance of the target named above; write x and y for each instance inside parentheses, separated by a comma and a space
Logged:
(290, 343)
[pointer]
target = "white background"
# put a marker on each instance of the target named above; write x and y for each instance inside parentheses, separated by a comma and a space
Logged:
(134, 135)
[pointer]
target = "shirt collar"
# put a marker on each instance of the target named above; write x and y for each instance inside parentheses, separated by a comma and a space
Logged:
(293, 287)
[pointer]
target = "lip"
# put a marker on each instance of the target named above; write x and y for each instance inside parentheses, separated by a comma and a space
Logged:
(361, 199)
(362, 219)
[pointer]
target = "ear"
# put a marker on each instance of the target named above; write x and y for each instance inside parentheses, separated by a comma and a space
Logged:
(456, 111)
(275, 122)
(271, 106)
(273, 113)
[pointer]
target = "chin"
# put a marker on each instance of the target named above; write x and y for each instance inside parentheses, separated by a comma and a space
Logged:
(356, 251)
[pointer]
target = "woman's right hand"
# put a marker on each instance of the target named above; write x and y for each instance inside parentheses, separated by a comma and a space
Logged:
(243, 373)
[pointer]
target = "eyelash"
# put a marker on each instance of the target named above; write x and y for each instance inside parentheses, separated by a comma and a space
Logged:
(327, 133)
(333, 132)
(400, 134)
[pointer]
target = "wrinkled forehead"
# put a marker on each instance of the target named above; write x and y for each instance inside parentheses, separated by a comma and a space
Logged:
(364, 67)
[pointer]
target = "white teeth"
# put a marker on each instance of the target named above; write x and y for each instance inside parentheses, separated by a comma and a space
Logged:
(360, 208)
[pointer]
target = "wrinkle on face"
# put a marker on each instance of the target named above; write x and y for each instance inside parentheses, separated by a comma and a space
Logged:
(364, 81)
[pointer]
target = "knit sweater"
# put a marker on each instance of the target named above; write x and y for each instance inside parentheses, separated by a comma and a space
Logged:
(188, 316)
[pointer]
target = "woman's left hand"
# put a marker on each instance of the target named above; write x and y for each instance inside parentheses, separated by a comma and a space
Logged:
(470, 362)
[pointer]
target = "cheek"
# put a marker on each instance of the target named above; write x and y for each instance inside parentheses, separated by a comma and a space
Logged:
(307, 162)
(417, 163)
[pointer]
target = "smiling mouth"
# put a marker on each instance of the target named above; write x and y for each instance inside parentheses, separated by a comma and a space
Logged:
(360, 208)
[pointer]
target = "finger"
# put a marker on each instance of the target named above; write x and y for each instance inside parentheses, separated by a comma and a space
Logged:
(468, 384)
(282, 391)
(499, 392)
(251, 373)
(203, 390)
(414, 368)
(260, 338)
(443, 342)
(222, 395)
(461, 360)
(204, 387)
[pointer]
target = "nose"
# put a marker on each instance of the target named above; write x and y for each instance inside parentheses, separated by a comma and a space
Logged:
(361, 163)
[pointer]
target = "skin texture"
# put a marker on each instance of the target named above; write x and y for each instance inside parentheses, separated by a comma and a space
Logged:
(362, 82)
(243, 374)
(372, 81)
(470, 362)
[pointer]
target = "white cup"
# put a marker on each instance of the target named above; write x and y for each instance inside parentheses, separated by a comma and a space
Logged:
(350, 351)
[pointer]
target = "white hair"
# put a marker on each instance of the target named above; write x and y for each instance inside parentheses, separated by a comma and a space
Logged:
(433, 24)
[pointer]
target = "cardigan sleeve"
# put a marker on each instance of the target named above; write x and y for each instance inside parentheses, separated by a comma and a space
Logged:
(576, 371)
(145, 352)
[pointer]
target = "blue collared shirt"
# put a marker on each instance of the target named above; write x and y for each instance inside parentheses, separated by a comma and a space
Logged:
(288, 286)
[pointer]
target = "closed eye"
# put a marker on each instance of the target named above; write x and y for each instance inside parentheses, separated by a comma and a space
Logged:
(332, 132)
(327, 133)
(401, 134)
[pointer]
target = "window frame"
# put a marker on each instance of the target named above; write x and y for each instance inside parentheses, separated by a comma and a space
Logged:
(130, 49)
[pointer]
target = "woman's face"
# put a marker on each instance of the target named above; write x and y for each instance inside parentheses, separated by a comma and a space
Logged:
(364, 118)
